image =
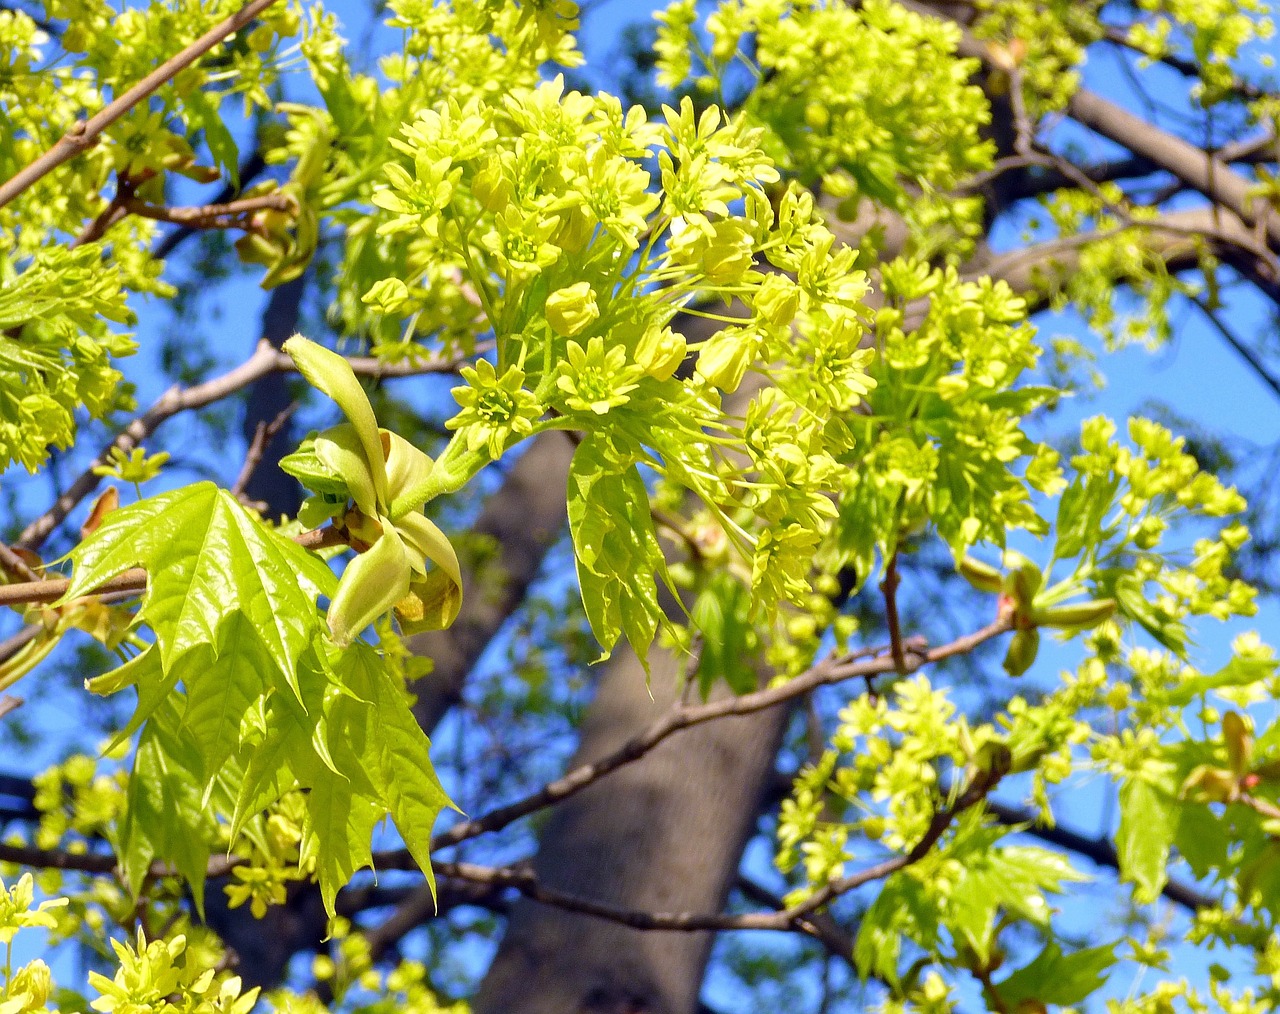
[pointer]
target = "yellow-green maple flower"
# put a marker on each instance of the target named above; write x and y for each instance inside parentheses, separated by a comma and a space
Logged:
(387, 477)
(572, 309)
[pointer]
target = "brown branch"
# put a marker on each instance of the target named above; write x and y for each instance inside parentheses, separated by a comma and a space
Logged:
(685, 716)
(1178, 239)
(797, 917)
(230, 215)
(261, 437)
(84, 134)
(801, 917)
(1236, 342)
(249, 169)
(133, 580)
(16, 565)
(98, 862)
(265, 359)
(52, 589)
(420, 904)
(1208, 174)
(95, 230)
(826, 930)
(889, 588)
(15, 642)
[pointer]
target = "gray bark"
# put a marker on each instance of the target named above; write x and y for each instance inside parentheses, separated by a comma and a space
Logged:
(663, 834)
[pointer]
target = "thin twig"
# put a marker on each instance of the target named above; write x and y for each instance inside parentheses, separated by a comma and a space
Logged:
(825, 672)
(266, 359)
(133, 580)
(1237, 343)
(889, 588)
(251, 168)
(109, 216)
(15, 642)
(230, 215)
(686, 716)
(16, 565)
(84, 134)
(794, 917)
(262, 436)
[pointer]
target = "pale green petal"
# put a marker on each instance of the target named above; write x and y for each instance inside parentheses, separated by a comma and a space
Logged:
(429, 541)
(333, 375)
(408, 470)
(372, 583)
(341, 449)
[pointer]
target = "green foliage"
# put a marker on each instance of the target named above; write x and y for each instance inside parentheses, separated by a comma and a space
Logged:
(801, 418)
(56, 347)
(617, 549)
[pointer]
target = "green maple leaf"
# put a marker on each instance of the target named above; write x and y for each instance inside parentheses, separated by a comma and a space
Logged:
(208, 559)
(164, 817)
(1148, 825)
(616, 548)
(395, 750)
(341, 816)
(221, 686)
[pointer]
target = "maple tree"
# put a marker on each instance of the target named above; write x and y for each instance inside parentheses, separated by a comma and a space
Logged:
(750, 341)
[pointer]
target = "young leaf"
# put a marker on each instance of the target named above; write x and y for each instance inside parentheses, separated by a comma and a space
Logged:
(396, 751)
(208, 559)
(165, 817)
(902, 910)
(616, 547)
(220, 688)
(1057, 978)
(1148, 823)
(341, 814)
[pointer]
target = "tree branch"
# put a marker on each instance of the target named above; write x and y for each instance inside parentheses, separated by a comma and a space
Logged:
(264, 360)
(133, 580)
(685, 716)
(797, 917)
(1198, 169)
(261, 437)
(230, 215)
(249, 169)
(84, 134)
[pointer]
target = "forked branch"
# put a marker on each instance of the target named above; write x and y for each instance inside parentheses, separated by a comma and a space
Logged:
(84, 135)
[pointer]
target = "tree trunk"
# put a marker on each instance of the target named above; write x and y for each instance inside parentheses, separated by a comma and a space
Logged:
(663, 834)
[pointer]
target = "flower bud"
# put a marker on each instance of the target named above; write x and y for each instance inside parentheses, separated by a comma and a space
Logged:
(35, 981)
(571, 310)
(1237, 733)
(1022, 581)
(777, 300)
(1075, 614)
(1208, 784)
(982, 576)
(723, 360)
(1022, 651)
(660, 352)
(491, 187)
